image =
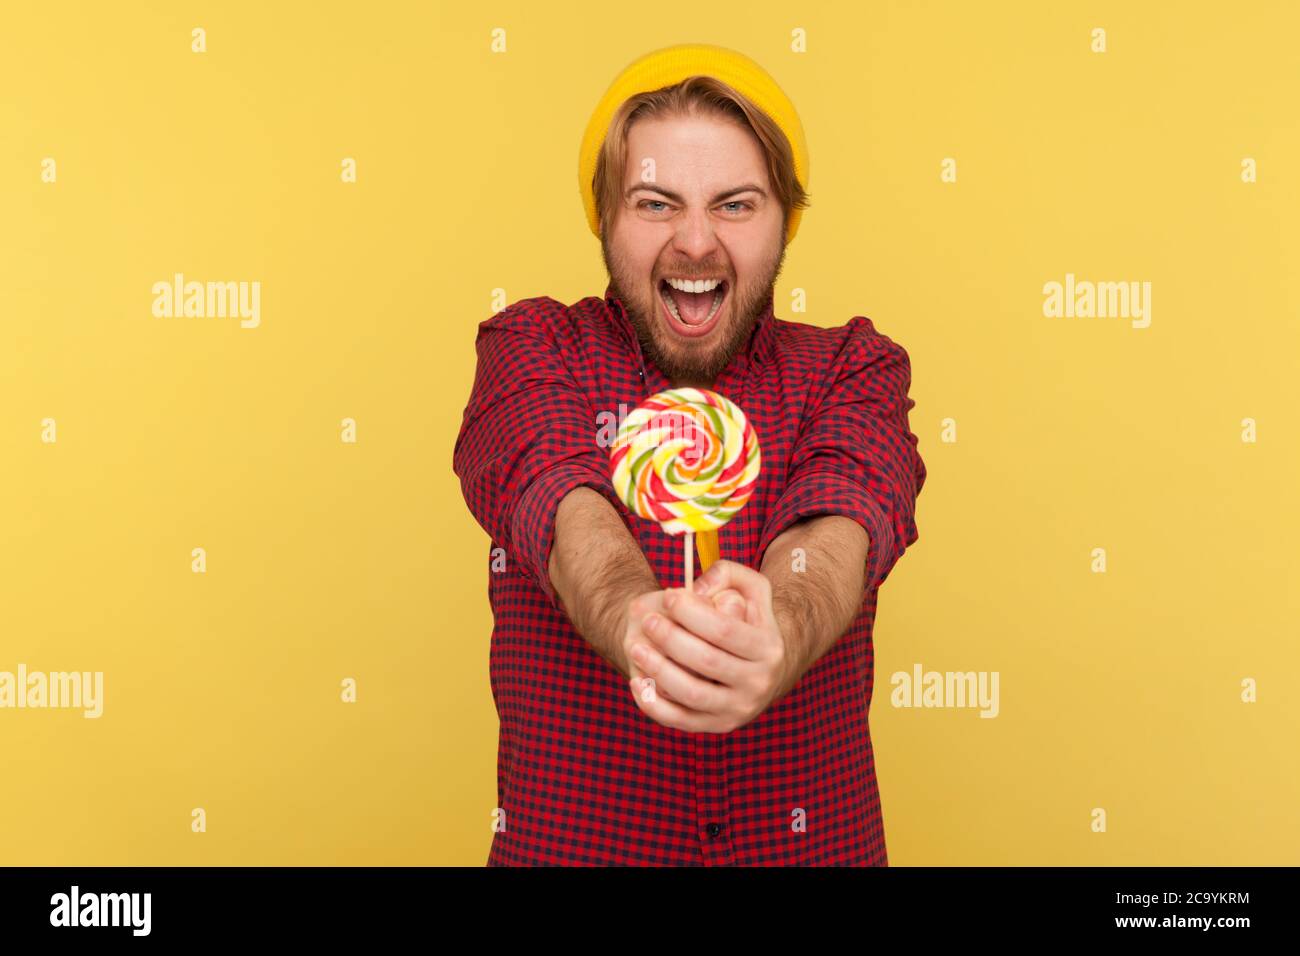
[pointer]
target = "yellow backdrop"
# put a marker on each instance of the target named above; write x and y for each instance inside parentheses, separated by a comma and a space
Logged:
(962, 158)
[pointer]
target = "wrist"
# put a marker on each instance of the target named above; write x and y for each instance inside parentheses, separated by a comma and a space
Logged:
(617, 613)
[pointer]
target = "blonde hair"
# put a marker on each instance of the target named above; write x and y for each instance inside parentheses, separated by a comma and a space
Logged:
(695, 95)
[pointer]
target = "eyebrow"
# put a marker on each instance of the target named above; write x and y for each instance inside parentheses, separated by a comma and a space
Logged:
(747, 187)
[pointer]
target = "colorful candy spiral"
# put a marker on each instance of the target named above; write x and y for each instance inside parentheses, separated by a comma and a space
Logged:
(687, 458)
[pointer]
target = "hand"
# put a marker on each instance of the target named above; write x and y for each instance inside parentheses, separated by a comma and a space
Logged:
(728, 602)
(712, 672)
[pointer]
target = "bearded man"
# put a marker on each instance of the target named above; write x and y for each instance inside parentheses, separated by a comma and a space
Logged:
(725, 724)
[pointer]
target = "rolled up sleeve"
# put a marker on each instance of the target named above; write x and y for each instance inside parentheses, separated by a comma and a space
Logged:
(528, 438)
(855, 455)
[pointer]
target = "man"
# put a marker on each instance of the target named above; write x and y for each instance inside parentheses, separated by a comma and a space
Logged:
(642, 723)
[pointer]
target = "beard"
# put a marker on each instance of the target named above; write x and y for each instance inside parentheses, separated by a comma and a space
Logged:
(695, 363)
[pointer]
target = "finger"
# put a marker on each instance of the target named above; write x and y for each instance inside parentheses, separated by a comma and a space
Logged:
(753, 586)
(645, 605)
(700, 619)
(689, 691)
(695, 654)
(663, 711)
(636, 674)
(648, 603)
(730, 602)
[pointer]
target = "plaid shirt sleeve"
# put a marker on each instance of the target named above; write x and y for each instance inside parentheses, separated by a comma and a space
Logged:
(527, 439)
(855, 455)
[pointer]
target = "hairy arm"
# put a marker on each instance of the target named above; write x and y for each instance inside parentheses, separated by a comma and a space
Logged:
(816, 597)
(597, 568)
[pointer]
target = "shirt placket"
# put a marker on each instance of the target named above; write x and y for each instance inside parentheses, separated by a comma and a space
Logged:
(712, 806)
(710, 751)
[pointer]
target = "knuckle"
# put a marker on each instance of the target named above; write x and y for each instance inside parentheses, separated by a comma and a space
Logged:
(689, 697)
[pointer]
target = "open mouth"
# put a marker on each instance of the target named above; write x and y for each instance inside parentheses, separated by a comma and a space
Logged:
(693, 314)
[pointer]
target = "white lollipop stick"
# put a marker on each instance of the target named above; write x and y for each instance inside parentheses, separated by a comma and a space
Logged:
(690, 558)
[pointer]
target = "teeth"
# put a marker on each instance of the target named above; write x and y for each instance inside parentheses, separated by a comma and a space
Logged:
(672, 306)
(699, 285)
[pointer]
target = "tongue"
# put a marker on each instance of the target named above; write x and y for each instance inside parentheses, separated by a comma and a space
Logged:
(693, 307)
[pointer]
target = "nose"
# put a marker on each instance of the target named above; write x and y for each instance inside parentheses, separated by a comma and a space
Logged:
(694, 237)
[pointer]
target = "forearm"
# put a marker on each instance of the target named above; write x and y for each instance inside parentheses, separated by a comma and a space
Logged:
(596, 568)
(815, 598)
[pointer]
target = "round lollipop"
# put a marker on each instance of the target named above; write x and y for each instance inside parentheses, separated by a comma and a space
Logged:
(689, 459)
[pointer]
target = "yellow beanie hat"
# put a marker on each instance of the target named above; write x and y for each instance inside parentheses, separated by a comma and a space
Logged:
(672, 65)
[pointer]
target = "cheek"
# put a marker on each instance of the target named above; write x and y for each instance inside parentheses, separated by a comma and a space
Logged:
(744, 257)
(750, 247)
(635, 247)
(643, 243)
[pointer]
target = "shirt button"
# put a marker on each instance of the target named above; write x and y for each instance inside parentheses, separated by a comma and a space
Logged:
(714, 829)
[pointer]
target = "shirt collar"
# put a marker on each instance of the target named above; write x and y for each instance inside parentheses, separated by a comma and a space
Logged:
(759, 348)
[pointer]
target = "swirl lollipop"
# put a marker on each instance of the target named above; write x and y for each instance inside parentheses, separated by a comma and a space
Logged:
(689, 459)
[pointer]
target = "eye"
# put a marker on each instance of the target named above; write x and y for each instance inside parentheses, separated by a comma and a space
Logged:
(740, 202)
(652, 202)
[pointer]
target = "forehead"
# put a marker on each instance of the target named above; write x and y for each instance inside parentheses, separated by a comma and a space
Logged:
(693, 153)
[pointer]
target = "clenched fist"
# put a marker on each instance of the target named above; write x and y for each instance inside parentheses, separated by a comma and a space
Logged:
(727, 601)
(712, 671)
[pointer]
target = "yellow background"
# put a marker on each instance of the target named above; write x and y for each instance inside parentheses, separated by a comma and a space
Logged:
(329, 560)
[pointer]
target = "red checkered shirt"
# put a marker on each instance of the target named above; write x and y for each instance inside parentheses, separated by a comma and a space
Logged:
(584, 777)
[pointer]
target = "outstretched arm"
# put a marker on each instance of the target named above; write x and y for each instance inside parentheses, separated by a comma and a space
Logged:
(815, 568)
(597, 569)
